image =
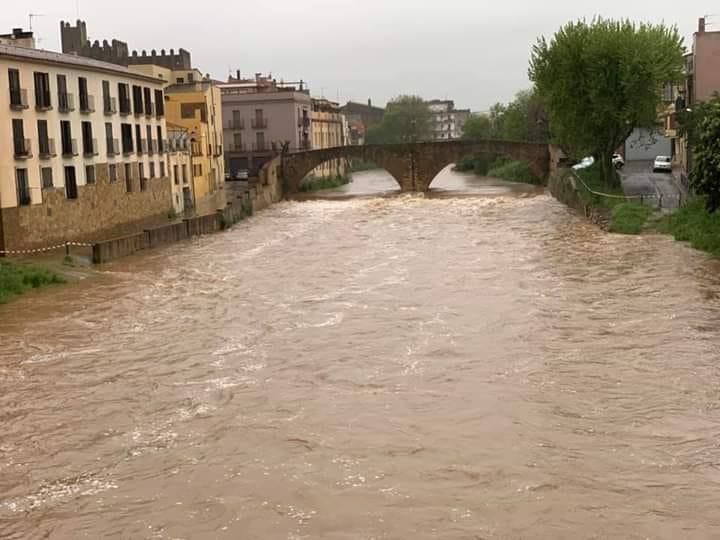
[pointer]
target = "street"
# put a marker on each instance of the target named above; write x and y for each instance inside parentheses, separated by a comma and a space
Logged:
(638, 178)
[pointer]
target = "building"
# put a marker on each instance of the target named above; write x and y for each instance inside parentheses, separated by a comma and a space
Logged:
(447, 122)
(329, 129)
(262, 116)
(18, 38)
(82, 151)
(702, 80)
(192, 100)
(180, 168)
(360, 118)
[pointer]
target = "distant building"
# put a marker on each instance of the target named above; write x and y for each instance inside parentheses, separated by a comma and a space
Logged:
(82, 151)
(179, 146)
(361, 117)
(447, 122)
(18, 38)
(329, 129)
(261, 116)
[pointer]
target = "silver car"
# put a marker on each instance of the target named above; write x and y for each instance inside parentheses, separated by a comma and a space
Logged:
(662, 164)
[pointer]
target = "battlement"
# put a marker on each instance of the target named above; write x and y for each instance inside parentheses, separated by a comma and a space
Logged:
(175, 61)
(74, 41)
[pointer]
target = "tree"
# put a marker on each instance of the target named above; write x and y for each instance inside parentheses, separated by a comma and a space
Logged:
(600, 80)
(477, 128)
(705, 177)
(407, 119)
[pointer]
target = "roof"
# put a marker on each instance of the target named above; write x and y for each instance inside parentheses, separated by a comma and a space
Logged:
(365, 106)
(80, 62)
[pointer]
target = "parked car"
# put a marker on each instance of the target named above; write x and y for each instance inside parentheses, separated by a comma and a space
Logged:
(618, 161)
(241, 175)
(662, 164)
(584, 163)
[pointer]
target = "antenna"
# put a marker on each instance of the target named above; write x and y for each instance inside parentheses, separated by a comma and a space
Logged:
(32, 16)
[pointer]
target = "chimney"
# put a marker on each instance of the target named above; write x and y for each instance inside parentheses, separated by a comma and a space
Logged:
(369, 102)
(237, 73)
(701, 25)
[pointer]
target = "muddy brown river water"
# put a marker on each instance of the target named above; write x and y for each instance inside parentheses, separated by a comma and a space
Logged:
(479, 363)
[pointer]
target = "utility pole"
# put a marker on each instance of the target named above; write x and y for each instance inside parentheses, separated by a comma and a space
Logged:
(32, 16)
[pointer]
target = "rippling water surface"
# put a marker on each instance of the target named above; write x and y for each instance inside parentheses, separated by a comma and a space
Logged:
(480, 363)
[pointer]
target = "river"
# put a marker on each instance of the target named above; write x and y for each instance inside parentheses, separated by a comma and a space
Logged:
(479, 363)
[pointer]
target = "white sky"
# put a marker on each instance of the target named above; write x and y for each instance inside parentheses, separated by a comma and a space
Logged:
(473, 51)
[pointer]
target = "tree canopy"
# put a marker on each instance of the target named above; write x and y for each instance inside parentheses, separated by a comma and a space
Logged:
(705, 175)
(407, 119)
(600, 80)
(523, 119)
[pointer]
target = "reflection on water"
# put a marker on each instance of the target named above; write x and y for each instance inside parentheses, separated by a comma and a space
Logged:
(380, 367)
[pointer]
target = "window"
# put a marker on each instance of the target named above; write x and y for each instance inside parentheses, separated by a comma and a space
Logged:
(109, 139)
(71, 191)
(152, 169)
(236, 120)
(176, 178)
(112, 173)
(197, 170)
(107, 100)
(124, 98)
(42, 91)
(46, 176)
(87, 137)
(159, 103)
(64, 100)
(148, 101)
(68, 144)
(137, 100)
(179, 80)
(23, 187)
(160, 140)
(22, 146)
(260, 141)
(162, 169)
(191, 77)
(127, 139)
(16, 95)
(187, 110)
(138, 140)
(128, 177)
(85, 105)
(237, 140)
(141, 170)
(90, 174)
(43, 139)
(184, 174)
(148, 134)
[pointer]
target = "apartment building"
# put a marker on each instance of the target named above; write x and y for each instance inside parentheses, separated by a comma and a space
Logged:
(179, 146)
(329, 129)
(447, 121)
(261, 116)
(360, 118)
(192, 100)
(82, 150)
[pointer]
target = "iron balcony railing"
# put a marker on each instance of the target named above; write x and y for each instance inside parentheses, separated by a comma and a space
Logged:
(66, 102)
(18, 99)
(87, 104)
(23, 149)
(236, 125)
(109, 105)
(142, 146)
(237, 147)
(260, 147)
(113, 147)
(90, 148)
(69, 147)
(259, 123)
(47, 148)
(153, 147)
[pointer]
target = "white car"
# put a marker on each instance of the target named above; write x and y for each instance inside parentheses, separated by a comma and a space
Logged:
(662, 163)
(584, 163)
(241, 175)
(618, 161)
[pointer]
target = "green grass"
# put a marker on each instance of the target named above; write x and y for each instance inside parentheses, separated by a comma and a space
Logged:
(514, 171)
(478, 165)
(592, 176)
(16, 278)
(315, 183)
(695, 225)
(629, 218)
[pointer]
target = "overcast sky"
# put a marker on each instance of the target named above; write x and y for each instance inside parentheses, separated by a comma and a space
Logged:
(473, 51)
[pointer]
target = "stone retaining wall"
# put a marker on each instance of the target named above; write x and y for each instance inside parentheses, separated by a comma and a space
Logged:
(563, 188)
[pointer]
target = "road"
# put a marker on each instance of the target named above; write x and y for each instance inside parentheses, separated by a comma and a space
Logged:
(639, 179)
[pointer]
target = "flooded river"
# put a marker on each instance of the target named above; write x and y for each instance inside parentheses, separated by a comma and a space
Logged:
(479, 363)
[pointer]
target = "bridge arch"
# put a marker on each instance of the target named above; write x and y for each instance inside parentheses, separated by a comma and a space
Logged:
(414, 165)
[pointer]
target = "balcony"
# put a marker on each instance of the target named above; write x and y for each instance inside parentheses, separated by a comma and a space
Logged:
(260, 147)
(127, 147)
(23, 150)
(69, 148)
(153, 147)
(18, 99)
(304, 122)
(42, 102)
(236, 125)
(66, 102)
(142, 146)
(87, 104)
(47, 148)
(149, 109)
(113, 147)
(125, 106)
(237, 148)
(90, 148)
(259, 123)
(109, 105)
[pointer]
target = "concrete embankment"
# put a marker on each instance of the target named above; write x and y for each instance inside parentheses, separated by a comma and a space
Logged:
(563, 186)
(258, 194)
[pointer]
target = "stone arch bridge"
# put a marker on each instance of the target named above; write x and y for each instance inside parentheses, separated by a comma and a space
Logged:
(414, 165)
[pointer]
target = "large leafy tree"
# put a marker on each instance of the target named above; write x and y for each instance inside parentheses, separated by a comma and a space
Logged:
(523, 119)
(407, 119)
(705, 175)
(477, 127)
(600, 80)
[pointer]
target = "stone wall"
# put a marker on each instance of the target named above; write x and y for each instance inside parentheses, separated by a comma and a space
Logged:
(564, 189)
(102, 210)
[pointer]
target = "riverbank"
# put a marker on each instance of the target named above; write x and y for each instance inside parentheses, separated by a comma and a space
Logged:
(318, 183)
(17, 277)
(508, 170)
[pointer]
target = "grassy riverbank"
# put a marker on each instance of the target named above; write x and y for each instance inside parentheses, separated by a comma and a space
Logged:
(317, 183)
(693, 224)
(16, 278)
(510, 171)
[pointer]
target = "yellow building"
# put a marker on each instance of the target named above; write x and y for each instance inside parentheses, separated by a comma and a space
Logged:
(329, 129)
(192, 102)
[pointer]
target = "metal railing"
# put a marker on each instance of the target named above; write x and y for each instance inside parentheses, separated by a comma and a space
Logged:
(43, 102)
(87, 104)
(66, 102)
(18, 98)
(23, 149)
(113, 147)
(236, 125)
(149, 109)
(90, 148)
(109, 105)
(259, 123)
(153, 147)
(142, 147)
(47, 148)
(69, 148)
(642, 198)
(242, 147)
(125, 108)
